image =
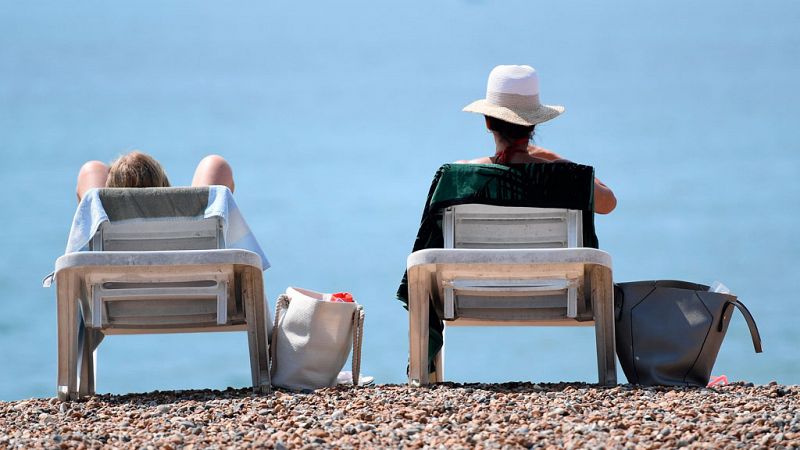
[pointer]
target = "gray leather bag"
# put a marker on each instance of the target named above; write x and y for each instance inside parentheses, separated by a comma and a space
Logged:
(669, 332)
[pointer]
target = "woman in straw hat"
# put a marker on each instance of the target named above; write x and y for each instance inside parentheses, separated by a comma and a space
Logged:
(137, 169)
(512, 109)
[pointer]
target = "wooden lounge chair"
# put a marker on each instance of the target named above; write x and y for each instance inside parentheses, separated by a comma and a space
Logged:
(157, 264)
(510, 266)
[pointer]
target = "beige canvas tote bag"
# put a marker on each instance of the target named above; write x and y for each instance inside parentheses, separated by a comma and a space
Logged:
(312, 338)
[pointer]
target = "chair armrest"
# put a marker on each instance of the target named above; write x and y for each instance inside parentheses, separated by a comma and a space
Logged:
(159, 258)
(579, 255)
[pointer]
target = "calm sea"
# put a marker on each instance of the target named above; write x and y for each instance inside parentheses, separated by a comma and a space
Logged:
(335, 117)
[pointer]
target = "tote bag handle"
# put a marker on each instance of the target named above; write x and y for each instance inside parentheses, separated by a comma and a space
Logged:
(751, 323)
(358, 337)
(280, 310)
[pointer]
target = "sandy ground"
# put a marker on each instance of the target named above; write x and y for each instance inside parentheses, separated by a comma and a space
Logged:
(510, 415)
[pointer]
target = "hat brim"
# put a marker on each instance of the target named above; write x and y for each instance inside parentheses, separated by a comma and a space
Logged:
(526, 118)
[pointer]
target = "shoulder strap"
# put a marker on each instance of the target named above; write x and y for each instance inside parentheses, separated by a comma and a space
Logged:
(751, 323)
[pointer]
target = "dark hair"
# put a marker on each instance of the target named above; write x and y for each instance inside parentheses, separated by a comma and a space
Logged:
(509, 131)
(137, 170)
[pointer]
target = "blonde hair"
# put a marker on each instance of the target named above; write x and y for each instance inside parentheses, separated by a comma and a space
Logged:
(136, 170)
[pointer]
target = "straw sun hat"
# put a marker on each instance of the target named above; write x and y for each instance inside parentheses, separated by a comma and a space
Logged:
(512, 94)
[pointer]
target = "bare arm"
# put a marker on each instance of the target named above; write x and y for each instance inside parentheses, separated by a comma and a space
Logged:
(604, 199)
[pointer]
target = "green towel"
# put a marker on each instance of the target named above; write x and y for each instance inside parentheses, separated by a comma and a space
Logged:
(552, 185)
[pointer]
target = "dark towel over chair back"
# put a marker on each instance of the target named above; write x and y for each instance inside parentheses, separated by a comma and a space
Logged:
(555, 185)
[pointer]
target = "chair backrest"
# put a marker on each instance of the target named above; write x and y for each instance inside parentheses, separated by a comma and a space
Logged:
(148, 219)
(488, 226)
(160, 219)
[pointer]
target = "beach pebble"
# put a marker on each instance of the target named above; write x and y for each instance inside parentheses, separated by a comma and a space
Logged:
(457, 416)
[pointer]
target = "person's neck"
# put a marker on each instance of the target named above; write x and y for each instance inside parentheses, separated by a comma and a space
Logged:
(518, 146)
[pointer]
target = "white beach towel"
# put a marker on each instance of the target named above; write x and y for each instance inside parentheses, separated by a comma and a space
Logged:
(91, 214)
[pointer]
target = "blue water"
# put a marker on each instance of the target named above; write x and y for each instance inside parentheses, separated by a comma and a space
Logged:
(335, 117)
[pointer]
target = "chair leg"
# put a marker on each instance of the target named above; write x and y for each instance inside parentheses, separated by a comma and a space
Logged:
(255, 313)
(603, 308)
(88, 357)
(438, 375)
(84, 360)
(67, 339)
(417, 328)
(438, 360)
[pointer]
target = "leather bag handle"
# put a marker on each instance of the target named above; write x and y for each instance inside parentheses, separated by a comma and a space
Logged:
(751, 323)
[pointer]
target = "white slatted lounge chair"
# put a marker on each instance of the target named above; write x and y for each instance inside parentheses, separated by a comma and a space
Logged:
(510, 266)
(157, 265)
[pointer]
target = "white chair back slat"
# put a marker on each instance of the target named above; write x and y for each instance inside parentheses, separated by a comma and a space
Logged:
(488, 226)
(160, 235)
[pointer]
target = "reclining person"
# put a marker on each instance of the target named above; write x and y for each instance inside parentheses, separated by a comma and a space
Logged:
(137, 169)
(512, 110)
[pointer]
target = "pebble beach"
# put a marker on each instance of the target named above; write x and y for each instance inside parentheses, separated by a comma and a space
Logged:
(448, 415)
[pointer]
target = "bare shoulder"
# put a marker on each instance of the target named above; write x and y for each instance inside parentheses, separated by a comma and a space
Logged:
(539, 152)
(481, 160)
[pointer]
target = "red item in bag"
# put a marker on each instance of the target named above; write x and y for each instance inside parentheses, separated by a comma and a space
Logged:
(344, 297)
